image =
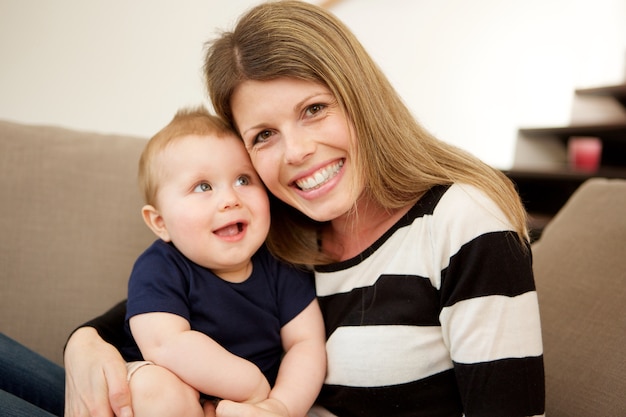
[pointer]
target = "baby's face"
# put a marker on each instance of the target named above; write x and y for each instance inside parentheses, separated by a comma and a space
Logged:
(213, 204)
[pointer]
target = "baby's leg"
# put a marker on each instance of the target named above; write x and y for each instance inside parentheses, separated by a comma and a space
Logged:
(157, 392)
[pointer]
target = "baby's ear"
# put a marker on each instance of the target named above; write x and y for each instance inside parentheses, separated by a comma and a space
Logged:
(155, 222)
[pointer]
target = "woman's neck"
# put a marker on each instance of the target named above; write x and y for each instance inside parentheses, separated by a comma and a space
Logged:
(347, 236)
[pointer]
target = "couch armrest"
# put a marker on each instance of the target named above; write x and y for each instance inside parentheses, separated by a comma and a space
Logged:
(580, 271)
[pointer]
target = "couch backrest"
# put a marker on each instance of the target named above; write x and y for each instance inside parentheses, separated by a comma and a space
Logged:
(70, 229)
(580, 271)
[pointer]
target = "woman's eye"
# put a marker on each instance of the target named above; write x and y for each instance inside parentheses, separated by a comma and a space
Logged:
(314, 109)
(202, 187)
(243, 180)
(262, 137)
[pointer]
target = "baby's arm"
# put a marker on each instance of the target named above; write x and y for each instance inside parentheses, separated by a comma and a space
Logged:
(167, 340)
(303, 367)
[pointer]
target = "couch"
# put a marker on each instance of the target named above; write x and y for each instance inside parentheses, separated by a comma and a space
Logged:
(71, 229)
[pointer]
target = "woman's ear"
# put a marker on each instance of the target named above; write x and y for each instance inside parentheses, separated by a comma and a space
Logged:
(155, 222)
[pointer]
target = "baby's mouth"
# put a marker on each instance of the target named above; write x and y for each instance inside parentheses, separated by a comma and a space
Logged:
(320, 177)
(230, 230)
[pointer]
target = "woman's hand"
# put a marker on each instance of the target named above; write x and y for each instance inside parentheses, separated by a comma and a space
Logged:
(95, 378)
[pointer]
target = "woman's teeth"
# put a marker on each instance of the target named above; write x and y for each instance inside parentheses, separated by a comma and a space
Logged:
(320, 177)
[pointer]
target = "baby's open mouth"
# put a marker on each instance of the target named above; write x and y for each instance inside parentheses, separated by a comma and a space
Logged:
(230, 230)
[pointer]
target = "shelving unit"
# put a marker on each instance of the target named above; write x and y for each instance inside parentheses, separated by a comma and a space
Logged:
(616, 91)
(613, 138)
(545, 191)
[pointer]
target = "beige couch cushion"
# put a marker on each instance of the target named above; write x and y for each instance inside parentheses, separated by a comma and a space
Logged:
(70, 229)
(580, 271)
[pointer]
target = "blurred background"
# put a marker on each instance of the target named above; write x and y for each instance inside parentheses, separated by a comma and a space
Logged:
(473, 72)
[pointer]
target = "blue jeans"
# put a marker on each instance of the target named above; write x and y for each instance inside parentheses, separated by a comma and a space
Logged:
(30, 385)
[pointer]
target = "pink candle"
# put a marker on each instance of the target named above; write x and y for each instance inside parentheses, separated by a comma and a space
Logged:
(584, 153)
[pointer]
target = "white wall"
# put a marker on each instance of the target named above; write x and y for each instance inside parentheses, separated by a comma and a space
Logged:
(473, 72)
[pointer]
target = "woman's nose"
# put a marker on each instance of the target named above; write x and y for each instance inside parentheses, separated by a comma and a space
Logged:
(298, 148)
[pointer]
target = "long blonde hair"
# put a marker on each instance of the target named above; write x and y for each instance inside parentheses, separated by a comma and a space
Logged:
(397, 158)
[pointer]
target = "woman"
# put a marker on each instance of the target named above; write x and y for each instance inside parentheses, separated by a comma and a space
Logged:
(422, 263)
(423, 269)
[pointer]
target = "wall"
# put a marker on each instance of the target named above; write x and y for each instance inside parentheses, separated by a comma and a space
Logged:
(472, 72)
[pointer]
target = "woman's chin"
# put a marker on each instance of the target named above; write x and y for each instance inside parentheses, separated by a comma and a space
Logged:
(325, 212)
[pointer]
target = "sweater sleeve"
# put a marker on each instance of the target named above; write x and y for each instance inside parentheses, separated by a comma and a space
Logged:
(489, 309)
(110, 325)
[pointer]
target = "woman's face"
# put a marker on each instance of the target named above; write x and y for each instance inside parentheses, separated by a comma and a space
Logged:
(300, 142)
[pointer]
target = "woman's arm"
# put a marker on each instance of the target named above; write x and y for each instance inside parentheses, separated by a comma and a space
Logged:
(110, 325)
(95, 377)
(95, 372)
(167, 340)
(489, 311)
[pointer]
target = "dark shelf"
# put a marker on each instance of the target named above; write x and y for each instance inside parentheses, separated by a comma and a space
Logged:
(616, 91)
(545, 192)
(565, 174)
(611, 132)
(613, 138)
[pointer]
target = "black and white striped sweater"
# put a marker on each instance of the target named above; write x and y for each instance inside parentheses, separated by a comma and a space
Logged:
(439, 317)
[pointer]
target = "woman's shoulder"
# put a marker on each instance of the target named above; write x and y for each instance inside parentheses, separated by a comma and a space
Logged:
(456, 201)
(463, 213)
(464, 202)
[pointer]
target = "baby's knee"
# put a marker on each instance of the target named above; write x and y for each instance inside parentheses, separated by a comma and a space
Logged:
(155, 391)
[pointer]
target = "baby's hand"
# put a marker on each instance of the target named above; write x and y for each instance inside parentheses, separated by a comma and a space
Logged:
(266, 408)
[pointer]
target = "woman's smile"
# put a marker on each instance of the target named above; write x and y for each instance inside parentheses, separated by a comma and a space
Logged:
(320, 177)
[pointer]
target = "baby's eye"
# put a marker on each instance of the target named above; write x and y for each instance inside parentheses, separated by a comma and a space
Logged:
(243, 180)
(202, 187)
